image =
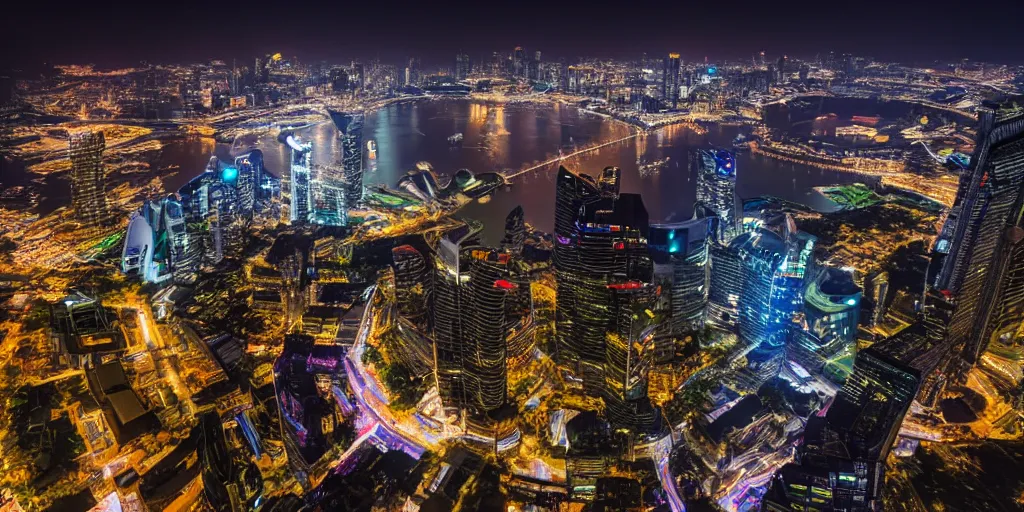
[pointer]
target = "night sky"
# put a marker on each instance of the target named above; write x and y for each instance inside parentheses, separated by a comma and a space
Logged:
(120, 33)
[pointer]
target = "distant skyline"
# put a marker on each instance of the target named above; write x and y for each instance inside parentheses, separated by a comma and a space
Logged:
(121, 34)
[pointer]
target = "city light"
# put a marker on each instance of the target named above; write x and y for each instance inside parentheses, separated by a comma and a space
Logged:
(509, 278)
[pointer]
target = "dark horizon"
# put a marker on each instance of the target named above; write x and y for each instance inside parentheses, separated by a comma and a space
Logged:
(123, 35)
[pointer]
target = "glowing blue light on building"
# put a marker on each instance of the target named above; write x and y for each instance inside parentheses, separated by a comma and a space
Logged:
(229, 174)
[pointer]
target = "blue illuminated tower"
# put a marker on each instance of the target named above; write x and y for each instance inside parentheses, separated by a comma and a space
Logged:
(716, 190)
(300, 169)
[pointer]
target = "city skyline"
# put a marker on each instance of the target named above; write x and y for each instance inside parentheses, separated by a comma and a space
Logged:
(514, 281)
(902, 32)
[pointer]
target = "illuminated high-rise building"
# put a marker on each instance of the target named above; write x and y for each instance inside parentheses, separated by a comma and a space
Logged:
(250, 181)
(832, 306)
(88, 199)
(774, 268)
(629, 355)
(726, 286)
(670, 80)
(486, 366)
(842, 459)
(716, 190)
(462, 66)
(350, 133)
(680, 255)
(519, 65)
(412, 283)
(573, 191)
(301, 161)
(984, 269)
(515, 232)
(183, 246)
(605, 300)
(450, 281)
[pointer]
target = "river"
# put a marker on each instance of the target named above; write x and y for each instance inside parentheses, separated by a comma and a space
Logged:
(511, 137)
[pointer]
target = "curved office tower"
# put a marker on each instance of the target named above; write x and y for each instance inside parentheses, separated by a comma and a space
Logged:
(716, 189)
(137, 253)
(572, 192)
(350, 132)
(985, 266)
(774, 268)
(762, 253)
(88, 197)
(302, 154)
(450, 283)
(832, 306)
(486, 362)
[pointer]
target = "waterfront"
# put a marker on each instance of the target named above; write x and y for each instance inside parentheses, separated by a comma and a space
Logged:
(511, 137)
(502, 137)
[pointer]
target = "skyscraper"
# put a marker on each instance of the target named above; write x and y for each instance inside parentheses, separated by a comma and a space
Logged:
(88, 199)
(302, 155)
(515, 232)
(726, 286)
(670, 80)
(604, 317)
(985, 264)
(451, 277)
(486, 365)
(842, 460)
(463, 67)
(519, 65)
(774, 268)
(249, 177)
(350, 132)
(412, 283)
(680, 255)
(832, 306)
(572, 192)
(716, 190)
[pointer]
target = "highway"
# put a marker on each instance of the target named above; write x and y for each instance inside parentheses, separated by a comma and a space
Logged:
(661, 453)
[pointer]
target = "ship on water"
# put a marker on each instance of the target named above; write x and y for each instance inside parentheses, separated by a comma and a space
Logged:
(371, 155)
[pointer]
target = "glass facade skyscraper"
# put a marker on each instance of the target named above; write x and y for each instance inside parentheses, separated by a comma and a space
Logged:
(680, 255)
(832, 306)
(350, 133)
(716, 190)
(670, 80)
(88, 197)
(774, 268)
(605, 297)
(301, 161)
(984, 266)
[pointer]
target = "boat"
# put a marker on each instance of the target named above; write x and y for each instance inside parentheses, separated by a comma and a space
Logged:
(456, 139)
(740, 143)
(652, 168)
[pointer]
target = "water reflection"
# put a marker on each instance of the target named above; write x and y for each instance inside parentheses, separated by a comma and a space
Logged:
(513, 137)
